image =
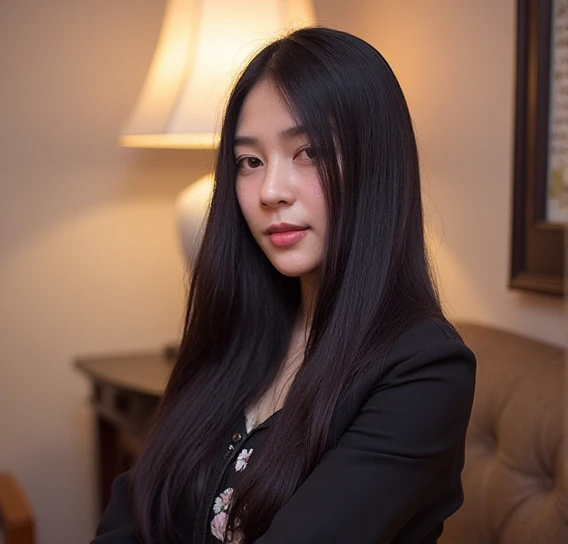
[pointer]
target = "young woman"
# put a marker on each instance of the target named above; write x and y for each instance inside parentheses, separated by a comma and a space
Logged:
(319, 396)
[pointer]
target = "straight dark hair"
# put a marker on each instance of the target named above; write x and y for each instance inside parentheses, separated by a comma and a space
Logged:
(375, 283)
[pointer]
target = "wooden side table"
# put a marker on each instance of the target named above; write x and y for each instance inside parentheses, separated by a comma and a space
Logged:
(125, 392)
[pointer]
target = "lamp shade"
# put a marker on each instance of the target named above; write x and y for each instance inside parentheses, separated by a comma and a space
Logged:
(202, 47)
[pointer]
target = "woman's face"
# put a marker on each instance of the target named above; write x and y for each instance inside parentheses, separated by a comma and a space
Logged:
(277, 184)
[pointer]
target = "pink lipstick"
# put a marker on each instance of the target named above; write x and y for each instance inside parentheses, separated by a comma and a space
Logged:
(285, 234)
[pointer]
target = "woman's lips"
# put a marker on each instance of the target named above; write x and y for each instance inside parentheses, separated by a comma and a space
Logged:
(287, 238)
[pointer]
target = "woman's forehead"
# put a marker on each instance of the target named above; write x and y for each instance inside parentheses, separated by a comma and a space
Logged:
(265, 111)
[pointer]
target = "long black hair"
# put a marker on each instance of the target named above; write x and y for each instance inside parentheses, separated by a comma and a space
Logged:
(375, 282)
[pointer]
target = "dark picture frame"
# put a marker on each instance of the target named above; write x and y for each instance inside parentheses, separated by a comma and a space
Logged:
(537, 244)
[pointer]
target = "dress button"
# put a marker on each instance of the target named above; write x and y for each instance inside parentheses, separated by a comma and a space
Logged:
(237, 437)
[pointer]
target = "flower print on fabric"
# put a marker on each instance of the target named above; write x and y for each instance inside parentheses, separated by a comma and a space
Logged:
(221, 508)
(223, 501)
(243, 459)
(219, 525)
(220, 532)
(235, 537)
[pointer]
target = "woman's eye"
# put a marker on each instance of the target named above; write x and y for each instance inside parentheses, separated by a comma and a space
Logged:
(306, 153)
(249, 162)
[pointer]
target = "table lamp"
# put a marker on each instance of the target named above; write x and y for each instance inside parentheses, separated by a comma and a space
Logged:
(203, 45)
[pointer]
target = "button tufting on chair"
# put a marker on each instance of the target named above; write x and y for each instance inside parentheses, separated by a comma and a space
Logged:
(515, 478)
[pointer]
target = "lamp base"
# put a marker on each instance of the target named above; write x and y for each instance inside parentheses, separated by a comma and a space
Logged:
(191, 208)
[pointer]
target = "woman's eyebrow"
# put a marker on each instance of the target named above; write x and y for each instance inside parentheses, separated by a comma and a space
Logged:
(286, 134)
(244, 140)
(292, 132)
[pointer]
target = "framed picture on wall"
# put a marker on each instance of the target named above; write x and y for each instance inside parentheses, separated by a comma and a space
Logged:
(540, 206)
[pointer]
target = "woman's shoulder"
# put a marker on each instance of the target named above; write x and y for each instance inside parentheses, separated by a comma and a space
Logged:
(426, 339)
(428, 352)
(431, 348)
(428, 360)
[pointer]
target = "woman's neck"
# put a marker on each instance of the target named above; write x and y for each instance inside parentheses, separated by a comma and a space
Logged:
(273, 398)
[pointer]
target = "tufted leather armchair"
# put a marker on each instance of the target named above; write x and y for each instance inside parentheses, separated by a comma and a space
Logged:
(515, 477)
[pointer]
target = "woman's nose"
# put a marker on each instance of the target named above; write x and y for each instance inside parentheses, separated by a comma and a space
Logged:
(277, 186)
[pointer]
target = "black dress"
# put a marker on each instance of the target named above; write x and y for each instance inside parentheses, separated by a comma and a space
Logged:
(391, 472)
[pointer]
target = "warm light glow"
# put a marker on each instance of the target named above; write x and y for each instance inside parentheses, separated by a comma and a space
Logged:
(203, 45)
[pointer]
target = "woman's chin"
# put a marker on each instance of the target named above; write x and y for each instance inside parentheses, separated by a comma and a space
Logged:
(295, 270)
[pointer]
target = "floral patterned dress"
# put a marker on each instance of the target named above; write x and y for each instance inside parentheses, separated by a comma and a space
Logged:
(249, 445)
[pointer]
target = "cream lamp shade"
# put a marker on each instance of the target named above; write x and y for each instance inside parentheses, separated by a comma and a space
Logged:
(203, 46)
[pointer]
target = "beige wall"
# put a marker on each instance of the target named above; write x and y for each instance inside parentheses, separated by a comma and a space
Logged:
(88, 256)
(88, 253)
(455, 61)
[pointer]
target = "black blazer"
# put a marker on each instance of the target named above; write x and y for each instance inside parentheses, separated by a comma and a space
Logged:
(394, 475)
